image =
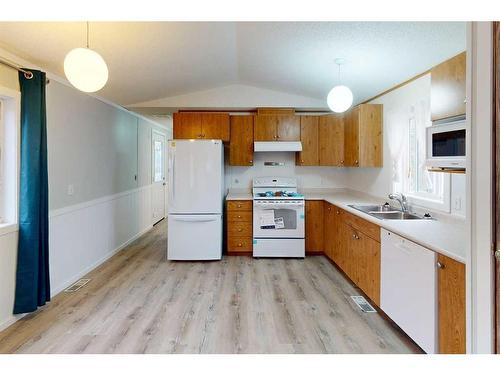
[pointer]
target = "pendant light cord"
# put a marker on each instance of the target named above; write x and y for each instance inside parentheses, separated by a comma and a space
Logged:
(87, 34)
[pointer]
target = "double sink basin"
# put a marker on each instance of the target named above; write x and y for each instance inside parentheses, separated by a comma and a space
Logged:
(387, 212)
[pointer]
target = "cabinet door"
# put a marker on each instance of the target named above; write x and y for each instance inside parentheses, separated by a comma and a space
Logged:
(241, 145)
(338, 246)
(347, 257)
(331, 140)
(265, 128)
(370, 135)
(451, 305)
(328, 235)
(309, 128)
(187, 125)
(367, 267)
(448, 88)
(288, 128)
(314, 226)
(215, 126)
(351, 138)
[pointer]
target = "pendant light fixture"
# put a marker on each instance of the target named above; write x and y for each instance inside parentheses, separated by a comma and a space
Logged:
(85, 68)
(339, 98)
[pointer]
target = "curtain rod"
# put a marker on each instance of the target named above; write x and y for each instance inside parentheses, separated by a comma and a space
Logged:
(28, 74)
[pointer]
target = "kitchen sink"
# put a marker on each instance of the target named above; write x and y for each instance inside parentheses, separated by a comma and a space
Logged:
(375, 208)
(387, 212)
(396, 215)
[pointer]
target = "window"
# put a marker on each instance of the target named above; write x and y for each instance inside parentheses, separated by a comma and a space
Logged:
(423, 188)
(9, 157)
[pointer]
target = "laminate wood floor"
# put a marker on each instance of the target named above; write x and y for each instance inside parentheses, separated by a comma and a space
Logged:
(137, 302)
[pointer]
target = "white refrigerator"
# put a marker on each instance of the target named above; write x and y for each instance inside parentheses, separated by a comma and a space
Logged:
(195, 201)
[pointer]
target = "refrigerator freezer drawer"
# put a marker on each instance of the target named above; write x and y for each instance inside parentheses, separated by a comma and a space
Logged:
(279, 247)
(194, 237)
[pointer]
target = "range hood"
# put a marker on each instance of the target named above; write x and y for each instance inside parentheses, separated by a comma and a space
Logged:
(277, 146)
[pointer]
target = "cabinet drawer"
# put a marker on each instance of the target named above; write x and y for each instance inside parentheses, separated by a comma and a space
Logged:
(370, 229)
(239, 216)
(239, 229)
(235, 244)
(239, 205)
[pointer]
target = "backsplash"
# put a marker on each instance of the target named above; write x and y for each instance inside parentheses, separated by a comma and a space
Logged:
(307, 177)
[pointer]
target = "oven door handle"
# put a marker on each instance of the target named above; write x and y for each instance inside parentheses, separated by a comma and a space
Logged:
(279, 206)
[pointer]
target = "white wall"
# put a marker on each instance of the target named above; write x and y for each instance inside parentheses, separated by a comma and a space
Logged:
(382, 181)
(308, 177)
(98, 148)
(231, 96)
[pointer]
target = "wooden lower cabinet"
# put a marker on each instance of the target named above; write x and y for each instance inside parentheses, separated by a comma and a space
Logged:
(351, 243)
(239, 226)
(451, 306)
(364, 253)
(314, 226)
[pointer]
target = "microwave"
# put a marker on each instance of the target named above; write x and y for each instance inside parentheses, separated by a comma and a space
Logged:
(446, 145)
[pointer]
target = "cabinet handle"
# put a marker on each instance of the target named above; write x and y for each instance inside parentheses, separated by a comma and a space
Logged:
(356, 162)
(251, 161)
(240, 245)
(203, 135)
(239, 206)
(239, 216)
(356, 237)
(440, 265)
(329, 208)
(338, 212)
(277, 136)
(239, 229)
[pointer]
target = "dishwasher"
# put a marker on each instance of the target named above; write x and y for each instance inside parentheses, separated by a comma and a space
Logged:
(408, 288)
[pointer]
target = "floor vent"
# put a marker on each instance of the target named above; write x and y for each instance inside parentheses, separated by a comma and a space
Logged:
(76, 286)
(363, 304)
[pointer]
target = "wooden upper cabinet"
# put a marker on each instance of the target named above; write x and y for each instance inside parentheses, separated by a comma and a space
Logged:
(277, 128)
(451, 306)
(331, 140)
(265, 128)
(187, 125)
(314, 226)
(215, 126)
(241, 145)
(201, 125)
(309, 137)
(363, 141)
(448, 88)
(288, 128)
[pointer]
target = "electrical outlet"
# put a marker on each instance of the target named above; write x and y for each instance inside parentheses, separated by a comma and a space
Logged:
(458, 204)
(71, 189)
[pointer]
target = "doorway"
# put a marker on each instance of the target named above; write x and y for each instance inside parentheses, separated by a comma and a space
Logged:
(159, 189)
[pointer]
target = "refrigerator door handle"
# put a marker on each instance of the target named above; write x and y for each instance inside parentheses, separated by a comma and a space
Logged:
(171, 177)
(200, 219)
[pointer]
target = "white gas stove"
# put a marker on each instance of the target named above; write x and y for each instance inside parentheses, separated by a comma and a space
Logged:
(278, 218)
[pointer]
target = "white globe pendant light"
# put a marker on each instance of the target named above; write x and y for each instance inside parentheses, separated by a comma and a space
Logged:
(85, 68)
(339, 98)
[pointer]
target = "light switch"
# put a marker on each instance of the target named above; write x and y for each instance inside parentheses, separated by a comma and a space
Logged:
(71, 189)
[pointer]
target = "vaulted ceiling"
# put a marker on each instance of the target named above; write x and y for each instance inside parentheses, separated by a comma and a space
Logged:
(152, 60)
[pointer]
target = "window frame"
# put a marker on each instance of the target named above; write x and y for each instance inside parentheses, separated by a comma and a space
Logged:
(422, 199)
(10, 127)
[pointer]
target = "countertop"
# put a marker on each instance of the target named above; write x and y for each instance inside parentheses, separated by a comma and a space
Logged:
(445, 235)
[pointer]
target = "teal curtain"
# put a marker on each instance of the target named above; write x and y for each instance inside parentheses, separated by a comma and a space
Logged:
(32, 275)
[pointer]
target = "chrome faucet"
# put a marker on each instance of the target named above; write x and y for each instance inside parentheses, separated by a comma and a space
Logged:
(401, 198)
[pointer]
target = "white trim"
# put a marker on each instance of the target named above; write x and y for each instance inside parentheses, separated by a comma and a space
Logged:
(96, 264)
(94, 202)
(434, 204)
(12, 99)
(7, 228)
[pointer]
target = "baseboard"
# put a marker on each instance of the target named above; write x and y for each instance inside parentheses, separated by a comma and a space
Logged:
(55, 291)
(239, 253)
(60, 288)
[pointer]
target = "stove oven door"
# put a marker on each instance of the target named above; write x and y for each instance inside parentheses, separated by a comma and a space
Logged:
(278, 219)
